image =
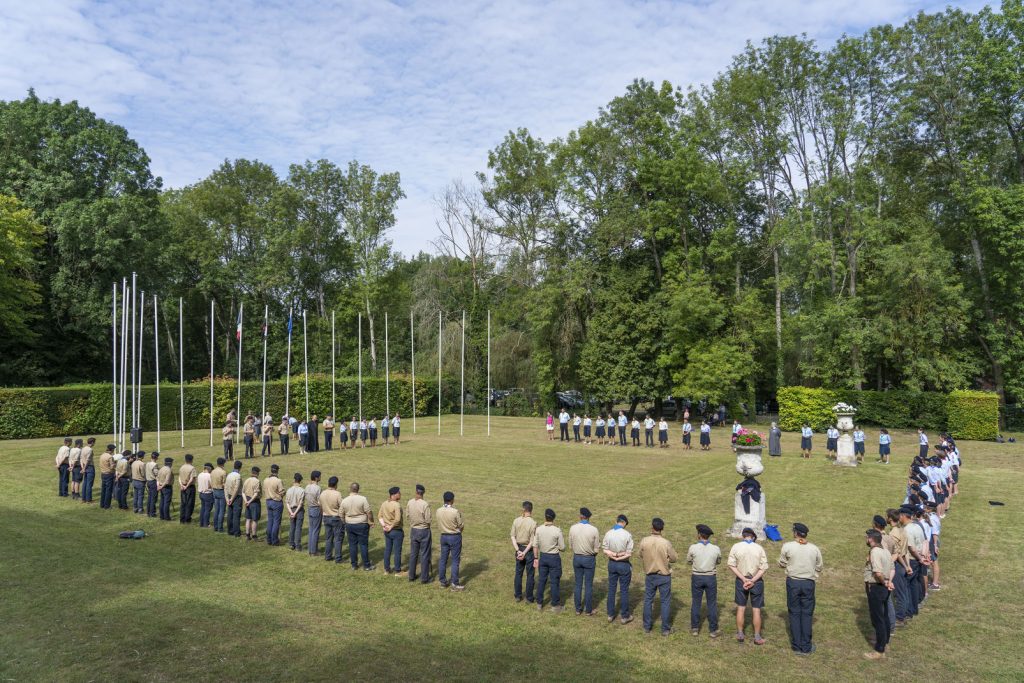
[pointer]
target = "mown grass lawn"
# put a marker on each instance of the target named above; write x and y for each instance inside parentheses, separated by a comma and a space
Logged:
(79, 604)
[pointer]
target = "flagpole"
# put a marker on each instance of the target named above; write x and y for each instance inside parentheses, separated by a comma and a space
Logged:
(142, 335)
(334, 406)
(124, 363)
(113, 350)
(305, 359)
(439, 373)
(266, 314)
(156, 357)
(387, 369)
(181, 367)
(488, 372)
(462, 377)
(238, 398)
(288, 368)
(359, 347)
(211, 372)
(134, 316)
(412, 355)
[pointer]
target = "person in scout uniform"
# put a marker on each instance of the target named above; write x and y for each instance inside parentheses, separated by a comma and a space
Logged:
(294, 501)
(523, 528)
(63, 466)
(334, 524)
(802, 562)
(878, 571)
(548, 545)
(138, 478)
(164, 481)
(585, 542)
(450, 524)
(273, 494)
(703, 558)
(251, 503)
(748, 561)
(107, 477)
(233, 499)
(657, 556)
(390, 518)
(151, 469)
(358, 521)
(418, 515)
(187, 484)
(617, 546)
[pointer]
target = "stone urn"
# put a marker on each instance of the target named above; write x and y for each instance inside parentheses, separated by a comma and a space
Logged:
(844, 446)
(748, 460)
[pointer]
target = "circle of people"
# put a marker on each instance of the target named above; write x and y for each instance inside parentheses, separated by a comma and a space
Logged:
(900, 569)
(307, 433)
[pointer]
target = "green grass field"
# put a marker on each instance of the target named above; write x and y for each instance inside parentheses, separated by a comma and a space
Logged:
(79, 604)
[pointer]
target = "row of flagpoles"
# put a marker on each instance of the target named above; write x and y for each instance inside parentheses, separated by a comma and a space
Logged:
(127, 355)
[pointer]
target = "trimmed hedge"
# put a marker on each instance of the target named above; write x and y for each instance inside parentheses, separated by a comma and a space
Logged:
(973, 415)
(88, 409)
(896, 409)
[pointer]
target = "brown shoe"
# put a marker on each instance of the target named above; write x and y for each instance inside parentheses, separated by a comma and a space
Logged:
(874, 656)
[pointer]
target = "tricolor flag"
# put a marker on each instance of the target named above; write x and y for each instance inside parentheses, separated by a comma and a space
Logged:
(264, 327)
(238, 327)
(289, 322)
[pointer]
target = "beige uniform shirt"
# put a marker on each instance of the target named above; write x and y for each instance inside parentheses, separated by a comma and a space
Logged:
(449, 520)
(879, 560)
(232, 485)
(251, 489)
(74, 456)
(228, 432)
(548, 539)
(282, 429)
(273, 489)
(522, 530)
(63, 453)
(203, 483)
(151, 468)
(748, 558)
(187, 475)
(267, 429)
(390, 513)
(295, 497)
(138, 470)
(328, 425)
(584, 539)
(106, 463)
(657, 555)
(417, 512)
(899, 537)
(356, 509)
(617, 541)
(704, 558)
(801, 560)
(330, 502)
(85, 457)
(312, 493)
(217, 478)
(165, 476)
(249, 429)
(121, 468)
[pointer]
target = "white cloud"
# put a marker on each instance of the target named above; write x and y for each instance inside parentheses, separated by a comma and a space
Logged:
(424, 88)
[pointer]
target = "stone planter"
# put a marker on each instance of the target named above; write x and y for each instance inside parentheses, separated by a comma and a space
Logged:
(844, 447)
(748, 460)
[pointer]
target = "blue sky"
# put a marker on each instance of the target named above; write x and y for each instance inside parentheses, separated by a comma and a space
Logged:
(423, 88)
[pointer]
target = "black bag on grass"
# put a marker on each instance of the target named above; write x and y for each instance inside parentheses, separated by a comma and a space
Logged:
(139, 533)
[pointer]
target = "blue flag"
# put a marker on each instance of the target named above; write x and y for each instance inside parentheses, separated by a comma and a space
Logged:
(289, 323)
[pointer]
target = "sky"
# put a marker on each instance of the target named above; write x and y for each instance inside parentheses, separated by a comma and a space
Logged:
(422, 88)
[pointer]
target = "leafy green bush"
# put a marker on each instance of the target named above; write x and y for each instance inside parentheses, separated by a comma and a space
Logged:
(973, 415)
(88, 409)
(798, 405)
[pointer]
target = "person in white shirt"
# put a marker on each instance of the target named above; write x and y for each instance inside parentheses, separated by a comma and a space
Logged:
(622, 428)
(62, 466)
(205, 491)
(618, 548)
(576, 422)
(831, 441)
(663, 433)
(563, 425)
(858, 443)
(884, 446)
(687, 432)
(385, 429)
(353, 431)
(705, 436)
(736, 427)
(932, 521)
(649, 431)
(396, 427)
(587, 424)
(599, 428)
(922, 440)
(634, 431)
(806, 433)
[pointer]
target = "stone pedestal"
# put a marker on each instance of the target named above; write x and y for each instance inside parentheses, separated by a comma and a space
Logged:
(748, 460)
(844, 446)
(755, 519)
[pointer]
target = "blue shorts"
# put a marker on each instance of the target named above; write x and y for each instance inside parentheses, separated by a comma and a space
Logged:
(830, 444)
(858, 447)
(253, 510)
(805, 443)
(755, 596)
(883, 449)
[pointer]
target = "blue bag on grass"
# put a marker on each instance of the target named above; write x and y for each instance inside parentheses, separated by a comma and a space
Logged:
(771, 531)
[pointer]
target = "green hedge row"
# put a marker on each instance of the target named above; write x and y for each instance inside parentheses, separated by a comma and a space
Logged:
(88, 409)
(965, 414)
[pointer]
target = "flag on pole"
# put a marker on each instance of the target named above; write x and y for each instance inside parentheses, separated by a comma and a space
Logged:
(238, 325)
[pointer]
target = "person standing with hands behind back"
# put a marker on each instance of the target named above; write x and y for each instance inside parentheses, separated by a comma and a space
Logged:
(803, 564)
(657, 556)
(548, 545)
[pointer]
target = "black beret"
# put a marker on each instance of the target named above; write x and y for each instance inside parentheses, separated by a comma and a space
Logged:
(274, 468)
(393, 490)
(549, 514)
(879, 520)
(256, 470)
(800, 528)
(585, 512)
(168, 461)
(420, 489)
(208, 465)
(704, 530)
(747, 531)
(622, 518)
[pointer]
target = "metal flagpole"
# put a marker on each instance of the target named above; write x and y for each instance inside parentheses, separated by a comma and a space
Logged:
(181, 367)
(211, 372)
(488, 372)
(439, 373)
(113, 347)
(305, 360)
(266, 314)
(134, 316)
(142, 335)
(334, 407)
(156, 360)
(124, 363)
(412, 355)
(238, 398)
(359, 346)
(288, 368)
(462, 377)
(387, 369)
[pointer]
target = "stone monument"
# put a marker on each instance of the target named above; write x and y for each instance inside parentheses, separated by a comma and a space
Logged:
(844, 447)
(749, 464)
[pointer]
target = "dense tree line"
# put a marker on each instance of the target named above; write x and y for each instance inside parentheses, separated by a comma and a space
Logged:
(850, 216)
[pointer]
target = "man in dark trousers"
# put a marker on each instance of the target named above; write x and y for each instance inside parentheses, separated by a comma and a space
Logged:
(878, 585)
(187, 483)
(803, 565)
(164, 486)
(418, 516)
